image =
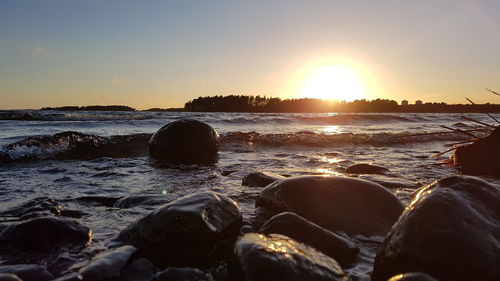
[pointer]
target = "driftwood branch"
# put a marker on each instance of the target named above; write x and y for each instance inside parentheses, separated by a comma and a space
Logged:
(485, 112)
(492, 92)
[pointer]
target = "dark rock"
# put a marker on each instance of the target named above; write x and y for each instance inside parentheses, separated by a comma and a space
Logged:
(390, 182)
(332, 244)
(260, 179)
(28, 272)
(44, 234)
(41, 205)
(336, 203)
(9, 277)
(106, 265)
(185, 141)
(140, 200)
(414, 276)
(366, 169)
(450, 230)
(190, 231)
(139, 270)
(276, 257)
(481, 157)
(181, 274)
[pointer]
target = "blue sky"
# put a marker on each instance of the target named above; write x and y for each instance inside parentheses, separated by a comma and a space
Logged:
(164, 53)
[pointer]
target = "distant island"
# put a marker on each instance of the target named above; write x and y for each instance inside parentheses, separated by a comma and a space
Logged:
(246, 103)
(242, 103)
(92, 108)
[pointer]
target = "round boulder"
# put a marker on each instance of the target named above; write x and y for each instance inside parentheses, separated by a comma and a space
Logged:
(277, 257)
(44, 234)
(185, 141)
(450, 230)
(336, 203)
(190, 231)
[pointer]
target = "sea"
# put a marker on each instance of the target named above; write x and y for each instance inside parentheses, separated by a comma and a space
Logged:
(83, 161)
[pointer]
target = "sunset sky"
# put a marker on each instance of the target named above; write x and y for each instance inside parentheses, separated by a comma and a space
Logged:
(163, 53)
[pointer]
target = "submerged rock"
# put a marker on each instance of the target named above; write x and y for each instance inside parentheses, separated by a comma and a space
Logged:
(366, 169)
(185, 141)
(260, 179)
(481, 157)
(190, 231)
(44, 234)
(450, 230)
(332, 244)
(276, 257)
(39, 205)
(336, 203)
(181, 274)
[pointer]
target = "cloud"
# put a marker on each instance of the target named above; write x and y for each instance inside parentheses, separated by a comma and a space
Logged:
(121, 81)
(39, 52)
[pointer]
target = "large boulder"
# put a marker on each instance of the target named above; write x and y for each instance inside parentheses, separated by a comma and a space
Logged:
(336, 203)
(332, 244)
(190, 231)
(451, 230)
(277, 257)
(44, 234)
(185, 141)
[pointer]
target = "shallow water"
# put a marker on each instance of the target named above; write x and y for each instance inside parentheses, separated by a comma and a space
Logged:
(78, 170)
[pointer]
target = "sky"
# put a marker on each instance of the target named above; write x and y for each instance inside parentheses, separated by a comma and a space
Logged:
(149, 54)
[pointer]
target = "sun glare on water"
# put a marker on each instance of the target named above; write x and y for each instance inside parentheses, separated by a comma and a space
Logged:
(333, 82)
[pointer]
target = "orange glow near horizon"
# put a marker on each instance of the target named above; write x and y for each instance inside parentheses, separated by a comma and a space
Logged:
(333, 79)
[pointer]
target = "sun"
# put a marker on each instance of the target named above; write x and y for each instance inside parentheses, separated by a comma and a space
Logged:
(332, 82)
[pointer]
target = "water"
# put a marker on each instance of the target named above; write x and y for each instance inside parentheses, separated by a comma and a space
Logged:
(105, 156)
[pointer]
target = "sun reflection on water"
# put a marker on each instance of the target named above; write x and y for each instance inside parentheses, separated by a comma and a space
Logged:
(331, 130)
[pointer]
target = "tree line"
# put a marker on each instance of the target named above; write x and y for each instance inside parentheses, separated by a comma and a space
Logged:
(244, 103)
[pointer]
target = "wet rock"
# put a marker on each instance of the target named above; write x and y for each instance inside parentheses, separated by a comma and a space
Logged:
(39, 205)
(332, 244)
(27, 272)
(414, 276)
(260, 179)
(106, 265)
(276, 257)
(139, 270)
(9, 277)
(390, 182)
(181, 274)
(44, 234)
(141, 200)
(190, 231)
(481, 157)
(450, 230)
(97, 200)
(366, 169)
(336, 203)
(185, 141)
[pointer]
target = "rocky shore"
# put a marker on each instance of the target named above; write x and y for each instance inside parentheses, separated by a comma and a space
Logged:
(302, 228)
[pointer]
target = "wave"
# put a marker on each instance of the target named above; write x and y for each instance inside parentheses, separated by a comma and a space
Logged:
(313, 139)
(346, 119)
(44, 116)
(76, 145)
